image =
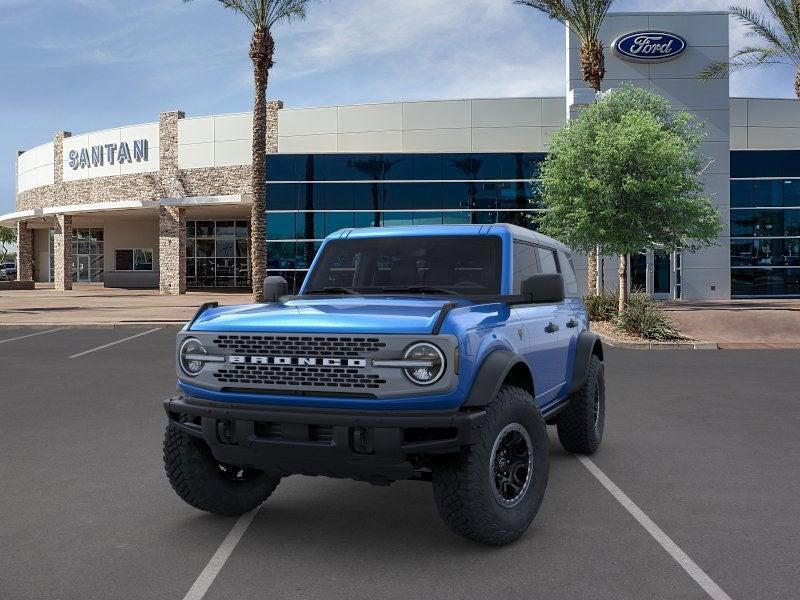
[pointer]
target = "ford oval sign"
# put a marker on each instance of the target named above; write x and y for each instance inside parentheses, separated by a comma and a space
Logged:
(649, 46)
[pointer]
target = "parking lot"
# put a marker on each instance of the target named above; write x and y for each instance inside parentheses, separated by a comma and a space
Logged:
(704, 444)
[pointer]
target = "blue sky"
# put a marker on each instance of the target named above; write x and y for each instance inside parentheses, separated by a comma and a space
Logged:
(84, 65)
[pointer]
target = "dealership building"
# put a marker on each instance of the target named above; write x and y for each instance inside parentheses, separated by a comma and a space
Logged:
(166, 204)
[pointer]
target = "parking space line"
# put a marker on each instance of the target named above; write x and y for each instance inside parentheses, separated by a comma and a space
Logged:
(22, 337)
(115, 343)
(214, 566)
(695, 572)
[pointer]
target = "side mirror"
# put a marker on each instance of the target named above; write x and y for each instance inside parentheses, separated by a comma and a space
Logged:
(275, 287)
(544, 288)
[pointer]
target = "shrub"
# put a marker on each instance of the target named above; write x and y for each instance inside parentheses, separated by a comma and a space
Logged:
(645, 318)
(603, 306)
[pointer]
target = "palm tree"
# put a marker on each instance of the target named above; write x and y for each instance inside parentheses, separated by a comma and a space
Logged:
(584, 19)
(263, 15)
(780, 41)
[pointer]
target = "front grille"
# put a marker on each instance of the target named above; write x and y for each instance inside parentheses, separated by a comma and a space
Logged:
(298, 377)
(290, 345)
(322, 434)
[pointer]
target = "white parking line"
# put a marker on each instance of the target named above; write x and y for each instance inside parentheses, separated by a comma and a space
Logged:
(695, 572)
(22, 337)
(115, 343)
(214, 566)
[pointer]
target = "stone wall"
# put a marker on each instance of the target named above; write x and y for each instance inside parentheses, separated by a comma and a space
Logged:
(62, 253)
(172, 250)
(24, 252)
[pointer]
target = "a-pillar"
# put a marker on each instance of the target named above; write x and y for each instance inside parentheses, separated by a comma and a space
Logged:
(171, 250)
(24, 252)
(62, 253)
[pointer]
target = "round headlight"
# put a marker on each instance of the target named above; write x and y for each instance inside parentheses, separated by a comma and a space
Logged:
(190, 350)
(425, 353)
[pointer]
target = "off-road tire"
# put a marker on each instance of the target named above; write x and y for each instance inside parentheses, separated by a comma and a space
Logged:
(579, 429)
(463, 484)
(197, 478)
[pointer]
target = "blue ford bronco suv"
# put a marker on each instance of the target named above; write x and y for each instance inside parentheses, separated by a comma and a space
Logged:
(435, 353)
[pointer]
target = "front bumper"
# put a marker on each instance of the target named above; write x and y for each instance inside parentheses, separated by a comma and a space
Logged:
(376, 445)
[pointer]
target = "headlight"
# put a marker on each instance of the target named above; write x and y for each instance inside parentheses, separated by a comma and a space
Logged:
(431, 357)
(191, 356)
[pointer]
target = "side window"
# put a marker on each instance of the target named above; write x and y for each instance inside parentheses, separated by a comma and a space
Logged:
(525, 264)
(568, 271)
(547, 260)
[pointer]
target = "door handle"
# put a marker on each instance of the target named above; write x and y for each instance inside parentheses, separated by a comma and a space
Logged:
(572, 323)
(551, 328)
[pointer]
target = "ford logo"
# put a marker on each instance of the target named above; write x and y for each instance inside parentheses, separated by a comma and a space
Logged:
(649, 46)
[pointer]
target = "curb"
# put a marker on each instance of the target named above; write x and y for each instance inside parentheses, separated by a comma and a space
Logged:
(659, 345)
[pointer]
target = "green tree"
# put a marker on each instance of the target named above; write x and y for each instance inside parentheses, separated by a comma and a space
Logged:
(263, 15)
(778, 37)
(627, 174)
(584, 19)
(7, 236)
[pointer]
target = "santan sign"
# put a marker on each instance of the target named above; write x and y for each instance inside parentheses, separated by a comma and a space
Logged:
(97, 156)
(649, 46)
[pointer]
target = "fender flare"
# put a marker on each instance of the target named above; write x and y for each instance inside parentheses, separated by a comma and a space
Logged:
(588, 343)
(490, 377)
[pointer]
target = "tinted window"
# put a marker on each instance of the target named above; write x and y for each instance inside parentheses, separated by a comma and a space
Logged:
(547, 260)
(741, 194)
(568, 271)
(469, 265)
(525, 264)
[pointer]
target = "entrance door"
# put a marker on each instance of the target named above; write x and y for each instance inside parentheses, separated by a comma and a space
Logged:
(83, 268)
(638, 272)
(662, 270)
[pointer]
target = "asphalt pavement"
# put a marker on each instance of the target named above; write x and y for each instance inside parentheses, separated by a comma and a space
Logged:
(705, 444)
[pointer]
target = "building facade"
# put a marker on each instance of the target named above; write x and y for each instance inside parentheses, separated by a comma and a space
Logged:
(166, 205)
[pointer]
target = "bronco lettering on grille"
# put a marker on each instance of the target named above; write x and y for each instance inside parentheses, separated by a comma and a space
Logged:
(298, 361)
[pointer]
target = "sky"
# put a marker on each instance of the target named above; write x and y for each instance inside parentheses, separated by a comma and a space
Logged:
(86, 65)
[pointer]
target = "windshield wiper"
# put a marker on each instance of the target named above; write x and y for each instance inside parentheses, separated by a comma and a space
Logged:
(421, 289)
(334, 290)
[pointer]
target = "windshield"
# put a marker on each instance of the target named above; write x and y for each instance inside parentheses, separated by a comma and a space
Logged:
(459, 264)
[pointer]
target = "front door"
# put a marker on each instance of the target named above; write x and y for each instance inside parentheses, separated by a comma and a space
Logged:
(83, 269)
(662, 272)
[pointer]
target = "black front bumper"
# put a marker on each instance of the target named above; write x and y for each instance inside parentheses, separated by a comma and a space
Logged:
(375, 446)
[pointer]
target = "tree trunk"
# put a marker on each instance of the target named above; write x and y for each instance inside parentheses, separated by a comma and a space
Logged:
(623, 282)
(262, 48)
(593, 64)
(797, 84)
(592, 270)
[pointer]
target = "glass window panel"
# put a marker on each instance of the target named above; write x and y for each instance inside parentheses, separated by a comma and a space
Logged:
(242, 248)
(528, 164)
(123, 260)
(311, 196)
(204, 229)
(339, 196)
(83, 247)
(484, 195)
(242, 229)
(457, 218)
(429, 195)
(525, 264)
(426, 166)
(226, 228)
(768, 223)
(282, 196)
(791, 192)
(484, 217)
(283, 167)
(742, 223)
(366, 196)
(342, 167)
(515, 195)
(367, 219)
(225, 267)
(305, 254)
(226, 248)
(395, 196)
(143, 260)
(242, 271)
(205, 248)
(336, 221)
(205, 272)
(190, 262)
(765, 282)
(391, 219)
(427, 218)
(768, 193)
(768, 163)
(189, 229)
(741, 194)
(280, 226)
(286, 255)
(464, 166)
(790, 165)
(454, 195)
(791, 222)
(310, 225)
(742, 164)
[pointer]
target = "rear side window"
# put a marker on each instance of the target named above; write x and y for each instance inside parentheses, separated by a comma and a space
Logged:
(525, 264)
(568, 271)
(547, 260)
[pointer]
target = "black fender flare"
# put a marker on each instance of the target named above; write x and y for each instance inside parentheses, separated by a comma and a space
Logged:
(491, 375)
(588, 343)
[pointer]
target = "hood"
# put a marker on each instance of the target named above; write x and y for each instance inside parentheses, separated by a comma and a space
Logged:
(356, 314)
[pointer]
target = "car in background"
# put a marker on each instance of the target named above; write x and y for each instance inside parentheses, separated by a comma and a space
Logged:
(8, 271)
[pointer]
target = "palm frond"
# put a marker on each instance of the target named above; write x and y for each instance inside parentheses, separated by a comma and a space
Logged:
(745, 58)
(583, 17)
(759, 26)
(784, 14)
